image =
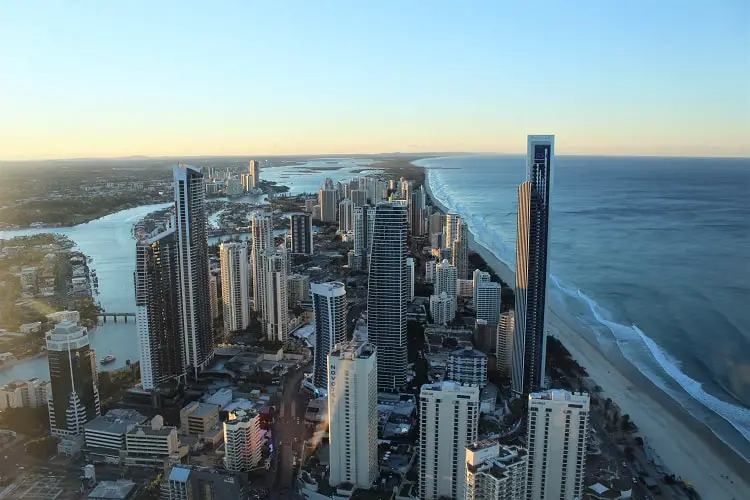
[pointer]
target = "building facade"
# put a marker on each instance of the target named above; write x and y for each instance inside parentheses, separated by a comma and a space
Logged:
(505, 336)
(442, 308)
(346, 216)
(460, 249)
(302, 234)
(276, 303)
(192, 257)
(445, 278)
(329, 311)
(532, 265)
(235, 285)
(387, 294)
(364, 223)
(253, 168)
(495, 471)
(353, 414)
(73, 395)
(557, 430)
(157, 303)
(467, 365)
(487, 302)
(449, 414)
(298, 289)
(261, 240)
(328, 202)
(242, 441)
(417, 207)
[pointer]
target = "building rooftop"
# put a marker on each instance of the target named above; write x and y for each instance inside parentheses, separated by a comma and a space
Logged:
(198, 409)
(467, 352)
(180, 474)
(448, 386)
(116, 490)
(116, 421)
(559, 395)
(352, 349)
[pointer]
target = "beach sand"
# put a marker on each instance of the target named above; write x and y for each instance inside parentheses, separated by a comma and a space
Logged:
(686, 446)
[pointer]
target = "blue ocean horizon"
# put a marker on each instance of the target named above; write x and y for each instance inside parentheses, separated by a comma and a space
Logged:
(651, 252)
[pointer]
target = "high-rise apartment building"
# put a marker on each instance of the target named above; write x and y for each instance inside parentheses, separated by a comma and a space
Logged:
(276, 303)
(449, 414)
(532, 265)
(436, 223)
(157, 302)
(445, 278)
(410, 277)
(495, 471)
(192, 256)
(302, 234)
(346, 216)
(442, 308)
(358, 197)
(213, 292)
(328, 201)
(460, 250)
(417, 207)
(387, 294)
(298, 289)
(487, 301)
(261, 240)
(242, 440)
(353, 414)
(556, 436)
(451, 227)
(505, 336)
(329, 310)
(73, 375)
(235, 285)
(253, 168)
(364, 223)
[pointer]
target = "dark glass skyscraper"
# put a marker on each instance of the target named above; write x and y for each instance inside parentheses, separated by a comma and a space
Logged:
(387, 294)
(532, 265)
(302, 234)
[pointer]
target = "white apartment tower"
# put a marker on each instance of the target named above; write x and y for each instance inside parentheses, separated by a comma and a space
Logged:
(261, 240)
(505, 335)
(235, 285)
(557, 429)
(445, 278)
(442, 308)
(253, 168)
(353, 414)
(276, 301)
(346, 215)
(329, 310)
(243, 441)
(387, 294)
(449, 415)
(192, 255)
(495, 471)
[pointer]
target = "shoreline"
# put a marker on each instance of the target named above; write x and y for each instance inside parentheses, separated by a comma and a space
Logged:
(687, 447)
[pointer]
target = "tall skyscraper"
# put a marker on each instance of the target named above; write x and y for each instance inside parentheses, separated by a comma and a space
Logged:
(254, 170)
(460, 250)
(364, 222)
(495, 471)
(387, 294)
(302, 234)
(157, 303)
(346, 216)
(192, 245)
(261, 240)
(451, 228)
(532, 265)
(359, 197)
(505, 335)
(328, 201)
(417, 212)
(487, 297)
(450, 422)
(329, 309)
(353, 414)
(213, 291)
(445, 279)
(437, 223)
(557, 431)
(74, 393)
(276, 303)
(235, 285)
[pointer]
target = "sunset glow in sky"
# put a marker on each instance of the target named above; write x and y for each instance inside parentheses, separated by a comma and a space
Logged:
(90, 79)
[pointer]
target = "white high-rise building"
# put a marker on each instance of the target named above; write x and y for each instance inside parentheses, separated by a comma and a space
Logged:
(364, 223)
(235, 285)
(298, 289)
(242, 441)
(557, 430)
(450, 422)
(495, 471)
(480, 276)
(346, 215)
(410, 277)
(261, 240)
(329, 310)
(445, 278)
(467, 365)
(442, 308)
(353, 414)
(276, 302)
(192, 255)
(254, 171)
(487, 302)
(430, 270)
(328, 201)
(505, 335)
(387, 294)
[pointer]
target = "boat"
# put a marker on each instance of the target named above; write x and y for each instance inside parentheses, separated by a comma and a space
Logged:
(109, 358)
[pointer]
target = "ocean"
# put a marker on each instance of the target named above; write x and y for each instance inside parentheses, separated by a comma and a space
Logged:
(651, 253)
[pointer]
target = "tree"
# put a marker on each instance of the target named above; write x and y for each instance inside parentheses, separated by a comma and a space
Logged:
(43, 448)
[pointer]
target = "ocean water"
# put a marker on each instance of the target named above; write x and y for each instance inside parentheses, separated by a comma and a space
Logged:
(653, 253)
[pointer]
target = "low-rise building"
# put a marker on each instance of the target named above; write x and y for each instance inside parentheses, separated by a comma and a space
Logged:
(199, 418)
(30, 393)
(60, 316)
(123, 489)
(104, 437)
(153, 444)
(185, 482)
(467, 366)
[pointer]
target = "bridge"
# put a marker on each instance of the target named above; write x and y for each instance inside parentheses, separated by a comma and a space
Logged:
(114, 315)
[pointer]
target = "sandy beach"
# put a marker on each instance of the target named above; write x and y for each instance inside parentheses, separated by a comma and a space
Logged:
(687, 448)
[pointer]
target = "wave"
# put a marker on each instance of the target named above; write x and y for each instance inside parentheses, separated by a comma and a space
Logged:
(637, 347)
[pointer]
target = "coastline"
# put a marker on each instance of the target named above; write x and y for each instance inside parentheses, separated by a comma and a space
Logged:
(686, 446)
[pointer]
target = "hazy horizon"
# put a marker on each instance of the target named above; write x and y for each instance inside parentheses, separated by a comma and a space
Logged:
(188, 79)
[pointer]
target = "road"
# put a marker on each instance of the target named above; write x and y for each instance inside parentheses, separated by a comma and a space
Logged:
(290, 431)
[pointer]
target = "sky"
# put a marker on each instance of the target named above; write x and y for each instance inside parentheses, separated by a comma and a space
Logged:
(168, 78)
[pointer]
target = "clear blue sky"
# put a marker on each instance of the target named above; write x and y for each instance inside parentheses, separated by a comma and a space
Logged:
(105, 78)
